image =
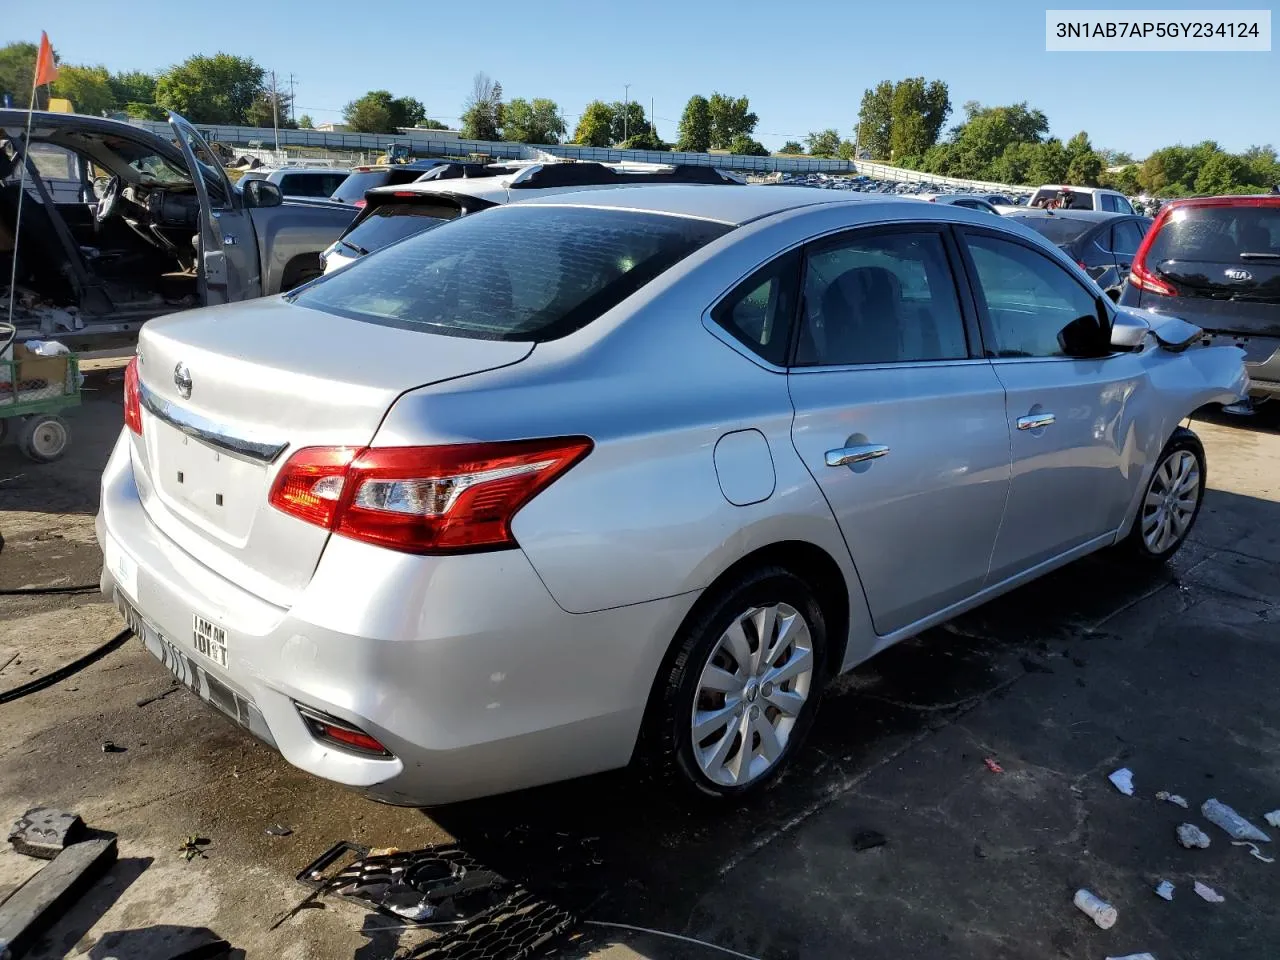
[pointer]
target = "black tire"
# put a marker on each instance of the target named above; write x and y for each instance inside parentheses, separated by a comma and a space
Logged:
(44, 438)
(1134, 544)
(670, 748)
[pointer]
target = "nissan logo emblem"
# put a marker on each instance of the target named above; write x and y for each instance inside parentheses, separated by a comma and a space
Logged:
(182, 380)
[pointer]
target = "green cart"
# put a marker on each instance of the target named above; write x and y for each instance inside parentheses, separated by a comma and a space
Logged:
(31, 405)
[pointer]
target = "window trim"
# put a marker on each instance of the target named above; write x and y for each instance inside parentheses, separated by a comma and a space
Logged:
(749, 283)
(963, 232)
(951, 254)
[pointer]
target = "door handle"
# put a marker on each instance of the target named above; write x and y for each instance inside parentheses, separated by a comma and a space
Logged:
(1036, 420)
(860, 454)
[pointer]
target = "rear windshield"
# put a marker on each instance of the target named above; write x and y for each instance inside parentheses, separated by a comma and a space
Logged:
(1217, 234)
(529, 274)
(1059, 230)
(354, 187)
(390, 222)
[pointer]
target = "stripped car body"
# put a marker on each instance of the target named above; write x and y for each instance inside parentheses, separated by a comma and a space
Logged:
(692, 447)
(121, 232)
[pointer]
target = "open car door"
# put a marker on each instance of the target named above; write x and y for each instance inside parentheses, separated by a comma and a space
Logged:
(228, 248)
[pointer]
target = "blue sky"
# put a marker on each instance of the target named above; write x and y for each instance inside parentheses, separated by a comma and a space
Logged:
(803, 65)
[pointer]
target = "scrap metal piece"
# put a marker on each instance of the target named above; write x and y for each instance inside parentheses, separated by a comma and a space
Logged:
(48, 895)
(45, 832)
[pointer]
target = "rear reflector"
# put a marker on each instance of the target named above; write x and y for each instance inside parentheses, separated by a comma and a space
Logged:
(132, 398)
(340, 733)
(426, 500)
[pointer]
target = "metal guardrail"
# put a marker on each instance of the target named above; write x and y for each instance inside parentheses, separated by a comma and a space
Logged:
(422, 142)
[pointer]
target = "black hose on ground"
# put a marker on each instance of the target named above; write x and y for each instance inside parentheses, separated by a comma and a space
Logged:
(40, 591)
(70, 669)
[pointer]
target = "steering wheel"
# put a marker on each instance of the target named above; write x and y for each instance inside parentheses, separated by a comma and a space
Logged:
(109, 201)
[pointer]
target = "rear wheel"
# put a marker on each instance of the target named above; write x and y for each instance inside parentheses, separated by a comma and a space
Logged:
(1171, 502)
(44, 438)
(741, 692)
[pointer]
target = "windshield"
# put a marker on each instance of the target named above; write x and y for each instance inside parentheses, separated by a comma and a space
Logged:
(390, 222)
(515, 273)
(1059, 230)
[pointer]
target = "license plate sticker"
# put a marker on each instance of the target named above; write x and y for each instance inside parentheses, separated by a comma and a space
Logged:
(121, 566)
(210, 640)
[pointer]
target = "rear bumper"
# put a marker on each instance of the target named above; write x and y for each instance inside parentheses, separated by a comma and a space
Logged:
(464, 667)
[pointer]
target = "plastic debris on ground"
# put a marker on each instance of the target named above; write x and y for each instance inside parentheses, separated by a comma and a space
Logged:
(1192, 837)
(193, 847)
(1173, 798)
(1253, 850)
(1208, 893)
(1122, 779)
(1134, 956)
(1097, 909)
(992, 765)
(1236, 826)
(1273, 818)
(278, 830)
(1164, 890)
(47, 348)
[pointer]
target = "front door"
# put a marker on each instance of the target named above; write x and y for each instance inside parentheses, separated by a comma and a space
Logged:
(899, 419)
(1066, 401)
(229, 267)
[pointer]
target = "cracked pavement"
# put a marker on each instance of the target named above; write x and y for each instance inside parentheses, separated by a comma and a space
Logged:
(1097, 666)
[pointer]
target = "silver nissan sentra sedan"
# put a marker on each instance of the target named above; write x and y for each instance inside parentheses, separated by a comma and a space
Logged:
(629, 473)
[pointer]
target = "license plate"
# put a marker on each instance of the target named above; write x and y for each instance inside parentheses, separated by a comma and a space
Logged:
(210, 640)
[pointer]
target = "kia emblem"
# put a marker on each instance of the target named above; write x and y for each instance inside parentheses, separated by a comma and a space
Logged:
(1237, 274)
(182, 380)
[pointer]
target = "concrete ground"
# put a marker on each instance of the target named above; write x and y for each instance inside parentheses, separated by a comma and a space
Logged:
(1173, 674)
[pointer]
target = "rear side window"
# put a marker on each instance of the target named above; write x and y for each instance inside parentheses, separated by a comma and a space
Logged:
(1217, 234)
(1108, 203)
(529, 274)
(1128, 237)
(390, 222)
(888, 298)
(310, 184)
(758, 313)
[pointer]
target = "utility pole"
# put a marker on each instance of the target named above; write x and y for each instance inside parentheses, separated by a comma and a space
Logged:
(653, 127)
(626, 108)
(275, 109)
(293, 110)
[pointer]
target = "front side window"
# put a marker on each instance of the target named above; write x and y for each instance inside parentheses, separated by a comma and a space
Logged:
(888, 298)
(522, 273)
(1035, 308)
(1128, 237)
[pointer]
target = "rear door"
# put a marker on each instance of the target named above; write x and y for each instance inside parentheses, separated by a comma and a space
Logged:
(229, 266)
(1065, 403)
(899, 419)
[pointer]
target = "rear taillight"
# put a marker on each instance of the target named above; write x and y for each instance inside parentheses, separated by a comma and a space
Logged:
(132, 398)
(340, 733)
(1140, 275)
(446, 499)
(360, 203)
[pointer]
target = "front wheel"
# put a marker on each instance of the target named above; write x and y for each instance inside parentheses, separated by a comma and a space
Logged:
(1171, 502)
(742, 690)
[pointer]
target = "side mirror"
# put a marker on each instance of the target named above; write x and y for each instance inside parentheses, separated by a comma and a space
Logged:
(1084, 337)
(262, 193)
(1128, 331)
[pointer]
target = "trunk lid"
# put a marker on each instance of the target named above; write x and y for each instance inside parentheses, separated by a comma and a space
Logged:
(231, 392)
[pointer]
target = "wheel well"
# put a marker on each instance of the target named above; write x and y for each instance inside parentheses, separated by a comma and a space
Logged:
(305, 266)
(811, 564)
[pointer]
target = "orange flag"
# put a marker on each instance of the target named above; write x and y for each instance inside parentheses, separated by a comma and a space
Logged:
(46, 69)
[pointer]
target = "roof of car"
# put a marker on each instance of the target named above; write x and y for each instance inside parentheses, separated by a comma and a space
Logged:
(1039, 213)
(726, 204)
(1075, 189)
(45, 119)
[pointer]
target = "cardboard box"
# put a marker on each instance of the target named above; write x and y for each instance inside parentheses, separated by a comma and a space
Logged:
(52, 370)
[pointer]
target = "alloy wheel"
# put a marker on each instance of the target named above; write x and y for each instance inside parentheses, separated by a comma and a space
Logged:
(750, 694)
(1171, 501)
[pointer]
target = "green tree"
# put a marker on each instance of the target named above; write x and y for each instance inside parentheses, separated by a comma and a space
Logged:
(217, 89)
(133, 86)
(144, 111)
(917, 112)
(88, 89)
(536, 121)
(1114, 158)
(1084, 165)
(695, 126)
(743, 145)
(987, 132)
(17, 69)
(1263, 164)
(1222, 173)
(482, 116)
(269, 108)
(791, 146)
(1125, 180)
(731, 117)
(645, 140)
(875, 120)
(825, 143)
(635, 121)
(305, 122)
(848, 150)
(1049, 162)
(595, 126)
(378, 112)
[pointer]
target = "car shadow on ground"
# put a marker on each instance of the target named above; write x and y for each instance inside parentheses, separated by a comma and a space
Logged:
(613, 847)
